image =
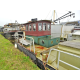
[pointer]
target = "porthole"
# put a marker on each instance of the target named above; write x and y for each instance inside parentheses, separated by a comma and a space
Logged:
(57, 40)
(42, 41)
(51, 42)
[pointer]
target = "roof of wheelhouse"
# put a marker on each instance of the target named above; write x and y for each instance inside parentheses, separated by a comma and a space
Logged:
(37, 21)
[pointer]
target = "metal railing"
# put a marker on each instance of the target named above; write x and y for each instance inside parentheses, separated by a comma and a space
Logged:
(30, 42)
(63, 61)
(31, 39)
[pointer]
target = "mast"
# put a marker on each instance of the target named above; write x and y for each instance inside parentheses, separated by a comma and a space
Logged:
(54, 17)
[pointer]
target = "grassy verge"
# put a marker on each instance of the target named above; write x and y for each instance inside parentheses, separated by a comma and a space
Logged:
(13, 59)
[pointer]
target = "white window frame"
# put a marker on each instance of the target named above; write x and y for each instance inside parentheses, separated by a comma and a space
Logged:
(29, 27)
(44, 26)
(47, 27)
(33, 27)
(38, 26)
(26, 27)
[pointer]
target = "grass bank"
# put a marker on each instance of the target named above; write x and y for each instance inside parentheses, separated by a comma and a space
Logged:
(13, 59)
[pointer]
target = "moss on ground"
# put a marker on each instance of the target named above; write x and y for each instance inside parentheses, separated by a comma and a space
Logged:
(13, 59)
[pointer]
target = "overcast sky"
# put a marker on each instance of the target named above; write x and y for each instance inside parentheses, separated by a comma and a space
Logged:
(25, 10)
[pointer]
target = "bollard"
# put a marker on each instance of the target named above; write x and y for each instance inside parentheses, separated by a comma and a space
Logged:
(15, 45)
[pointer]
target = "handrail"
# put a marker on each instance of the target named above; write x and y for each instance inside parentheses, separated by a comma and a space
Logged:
(30, 44)
(33, 42)
(61, 60)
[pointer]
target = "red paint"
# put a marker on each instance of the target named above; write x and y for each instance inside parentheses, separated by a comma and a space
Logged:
(46, 55)
(35, 53)
(40, 47)
(38, 33)
(29, 49)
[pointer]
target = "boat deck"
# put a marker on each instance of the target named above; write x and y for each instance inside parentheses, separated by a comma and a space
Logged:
(73, 44)
(52, 61)
(52, 58)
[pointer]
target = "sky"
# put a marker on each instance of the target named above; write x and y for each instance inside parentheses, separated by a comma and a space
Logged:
(25, 10)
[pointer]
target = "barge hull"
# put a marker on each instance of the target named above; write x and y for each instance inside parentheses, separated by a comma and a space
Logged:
(33, 57)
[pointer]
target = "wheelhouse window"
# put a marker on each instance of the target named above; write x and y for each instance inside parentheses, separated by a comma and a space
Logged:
(26, 27)
(48, 27)
(44, 26)
(30, 29)
(40, 26)
(34, 27)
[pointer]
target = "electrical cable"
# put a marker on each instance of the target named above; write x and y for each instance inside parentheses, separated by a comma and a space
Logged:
(51, 15)
(48, 14)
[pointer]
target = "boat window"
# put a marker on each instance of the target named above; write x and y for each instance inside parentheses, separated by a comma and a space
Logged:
(26, 27)
(40, 26)
(44, 26)
(30, 29)
(48, 27)
(34, 27)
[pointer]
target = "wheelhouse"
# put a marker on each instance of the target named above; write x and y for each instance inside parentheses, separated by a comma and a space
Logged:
(38, 28)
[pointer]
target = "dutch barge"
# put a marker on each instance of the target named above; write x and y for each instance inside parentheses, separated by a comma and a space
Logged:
(46, 51)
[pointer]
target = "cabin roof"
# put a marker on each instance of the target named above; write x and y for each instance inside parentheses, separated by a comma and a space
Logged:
(36, 21)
